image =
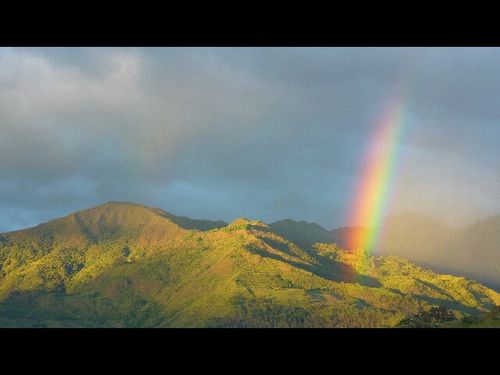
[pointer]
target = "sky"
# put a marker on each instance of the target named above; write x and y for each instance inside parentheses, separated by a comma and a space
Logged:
(262, 133)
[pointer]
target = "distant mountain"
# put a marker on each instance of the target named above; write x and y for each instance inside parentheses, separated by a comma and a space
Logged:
(127, 265)
(187, 223)
(307, 234)
(301, 232)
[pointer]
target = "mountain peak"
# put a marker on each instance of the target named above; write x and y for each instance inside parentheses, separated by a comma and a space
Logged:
(133, 215)
(242, 221)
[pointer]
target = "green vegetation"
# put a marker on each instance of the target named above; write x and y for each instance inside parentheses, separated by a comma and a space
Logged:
(491, 319)
(126, 265)
(431, 318)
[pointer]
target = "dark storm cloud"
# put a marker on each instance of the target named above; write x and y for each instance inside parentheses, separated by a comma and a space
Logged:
(265, 133)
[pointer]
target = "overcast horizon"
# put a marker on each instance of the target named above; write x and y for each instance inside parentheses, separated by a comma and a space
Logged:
(263, 133)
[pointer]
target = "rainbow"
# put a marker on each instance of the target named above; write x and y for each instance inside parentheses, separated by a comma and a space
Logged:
(378, 166)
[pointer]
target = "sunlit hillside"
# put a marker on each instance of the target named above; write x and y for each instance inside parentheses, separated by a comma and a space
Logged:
(126, 265)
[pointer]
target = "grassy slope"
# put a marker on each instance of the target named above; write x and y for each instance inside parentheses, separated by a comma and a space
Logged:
(127, 265)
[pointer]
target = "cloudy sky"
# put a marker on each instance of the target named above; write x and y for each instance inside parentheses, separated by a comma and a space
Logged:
(265, 133)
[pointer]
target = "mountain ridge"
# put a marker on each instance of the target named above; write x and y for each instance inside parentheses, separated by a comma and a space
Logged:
(123, 264)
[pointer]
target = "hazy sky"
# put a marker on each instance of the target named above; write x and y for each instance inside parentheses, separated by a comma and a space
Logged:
(265, 133)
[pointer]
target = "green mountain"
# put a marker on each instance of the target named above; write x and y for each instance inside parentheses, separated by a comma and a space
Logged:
(126, 265)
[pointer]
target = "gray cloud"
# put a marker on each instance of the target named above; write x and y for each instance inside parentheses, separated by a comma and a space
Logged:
(266, 133)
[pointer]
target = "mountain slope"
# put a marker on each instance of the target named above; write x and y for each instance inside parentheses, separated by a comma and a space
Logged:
(122, 264)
